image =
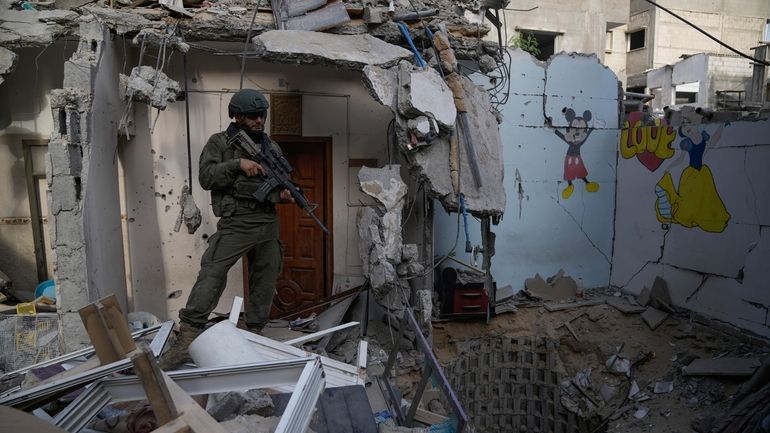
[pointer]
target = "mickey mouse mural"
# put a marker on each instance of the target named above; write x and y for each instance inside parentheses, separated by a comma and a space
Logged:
(575, 135)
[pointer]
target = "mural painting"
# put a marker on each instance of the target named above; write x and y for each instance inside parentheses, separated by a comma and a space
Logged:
(651, 144)
(696, 203)
(575, 135)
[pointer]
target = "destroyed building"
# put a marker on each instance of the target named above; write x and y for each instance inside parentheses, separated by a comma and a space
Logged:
(438, 161)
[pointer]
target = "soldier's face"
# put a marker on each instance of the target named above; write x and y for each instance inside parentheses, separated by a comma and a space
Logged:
(252, 122)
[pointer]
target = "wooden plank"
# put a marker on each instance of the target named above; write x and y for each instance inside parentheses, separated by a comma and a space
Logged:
(325, 18)
(154, 386)
(722, 367)
(429, 418)
(107, 329)
(15, 421)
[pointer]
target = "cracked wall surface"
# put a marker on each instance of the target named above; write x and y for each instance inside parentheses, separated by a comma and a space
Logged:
(542, 230)
(713, 249)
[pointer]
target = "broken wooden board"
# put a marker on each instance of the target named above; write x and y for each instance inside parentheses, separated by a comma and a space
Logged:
(721, 367)
(654, 317)
(555, 306)
(625, 307)
(107, 329)
(15, 420)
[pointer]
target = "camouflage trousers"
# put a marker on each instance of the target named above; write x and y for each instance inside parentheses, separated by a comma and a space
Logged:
(238, 235)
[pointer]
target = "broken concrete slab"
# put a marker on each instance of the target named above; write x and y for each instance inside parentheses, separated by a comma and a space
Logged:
(325, 18)
(654, 317)
(122, 21)
(722, 367)
(35, 28)
(624, 306)
(150, 86)
(382, 85)
(644, 297)
(352, 52)
(157, 38)
(561, 288)
(432, 160)
(660, 297)
(424, 92)
(7, 63)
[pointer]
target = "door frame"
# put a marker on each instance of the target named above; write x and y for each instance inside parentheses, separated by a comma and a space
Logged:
(35, 206)
(326, 218)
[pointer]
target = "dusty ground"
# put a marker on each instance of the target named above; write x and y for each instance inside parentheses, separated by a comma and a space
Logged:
(602, 329)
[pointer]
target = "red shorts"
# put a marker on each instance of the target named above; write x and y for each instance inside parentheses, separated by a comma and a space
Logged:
(574, 168)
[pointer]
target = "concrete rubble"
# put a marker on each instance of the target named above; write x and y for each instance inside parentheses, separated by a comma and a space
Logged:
(386, 259)
(150, 86)
(352, 52)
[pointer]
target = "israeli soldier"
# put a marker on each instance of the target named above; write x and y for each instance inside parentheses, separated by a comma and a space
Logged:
(246, 226)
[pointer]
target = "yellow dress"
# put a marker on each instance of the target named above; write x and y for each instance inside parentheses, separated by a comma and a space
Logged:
(697, 202)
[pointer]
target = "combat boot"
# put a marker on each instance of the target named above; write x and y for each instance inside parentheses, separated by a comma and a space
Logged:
(178, 354)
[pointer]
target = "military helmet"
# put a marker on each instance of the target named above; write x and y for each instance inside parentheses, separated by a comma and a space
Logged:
(246, 101)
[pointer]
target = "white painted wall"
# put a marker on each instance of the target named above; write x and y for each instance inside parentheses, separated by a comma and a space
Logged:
(25, 113)
(542, 232)
(163, 262)
(719, 274)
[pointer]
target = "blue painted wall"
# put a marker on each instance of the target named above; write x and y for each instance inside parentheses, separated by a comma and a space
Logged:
(541, 231)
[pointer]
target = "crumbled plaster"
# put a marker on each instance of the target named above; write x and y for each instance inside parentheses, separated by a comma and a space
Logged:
(149, 86)
(385, 186)
(382, 85)
(348, 52)
(387, 263)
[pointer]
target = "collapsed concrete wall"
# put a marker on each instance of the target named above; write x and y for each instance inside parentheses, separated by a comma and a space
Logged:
(693, 208)
(82, 178)
(548, 225)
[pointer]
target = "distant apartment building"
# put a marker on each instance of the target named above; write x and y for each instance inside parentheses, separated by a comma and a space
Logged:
(680, 66)
(581, 26)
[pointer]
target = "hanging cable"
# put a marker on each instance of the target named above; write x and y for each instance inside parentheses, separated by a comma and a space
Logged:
(754, 59)
(187, 123)
(417, 57)
(246, 42)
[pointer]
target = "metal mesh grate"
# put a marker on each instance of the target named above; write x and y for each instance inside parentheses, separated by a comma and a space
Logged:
(511, 385)
(27, 340)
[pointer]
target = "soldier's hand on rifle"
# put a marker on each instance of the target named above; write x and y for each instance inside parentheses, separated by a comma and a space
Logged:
(286, 196)
(251, 168)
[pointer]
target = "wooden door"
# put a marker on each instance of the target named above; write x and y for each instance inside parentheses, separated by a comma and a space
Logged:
(306, 275)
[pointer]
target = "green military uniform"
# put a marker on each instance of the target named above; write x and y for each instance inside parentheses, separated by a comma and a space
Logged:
(246, 227)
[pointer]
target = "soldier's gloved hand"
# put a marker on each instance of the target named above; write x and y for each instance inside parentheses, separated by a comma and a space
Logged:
(251, 168)
(286, 196)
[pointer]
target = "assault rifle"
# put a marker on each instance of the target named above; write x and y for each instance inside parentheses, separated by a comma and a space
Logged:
(277, 172)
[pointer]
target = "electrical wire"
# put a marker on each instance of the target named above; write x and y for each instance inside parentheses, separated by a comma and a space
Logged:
(246, 42)
(754, 59)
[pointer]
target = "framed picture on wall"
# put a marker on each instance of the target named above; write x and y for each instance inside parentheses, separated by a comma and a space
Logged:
(285, 114)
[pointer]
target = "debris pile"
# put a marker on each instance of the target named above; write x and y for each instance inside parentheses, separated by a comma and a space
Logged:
(613, 370)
